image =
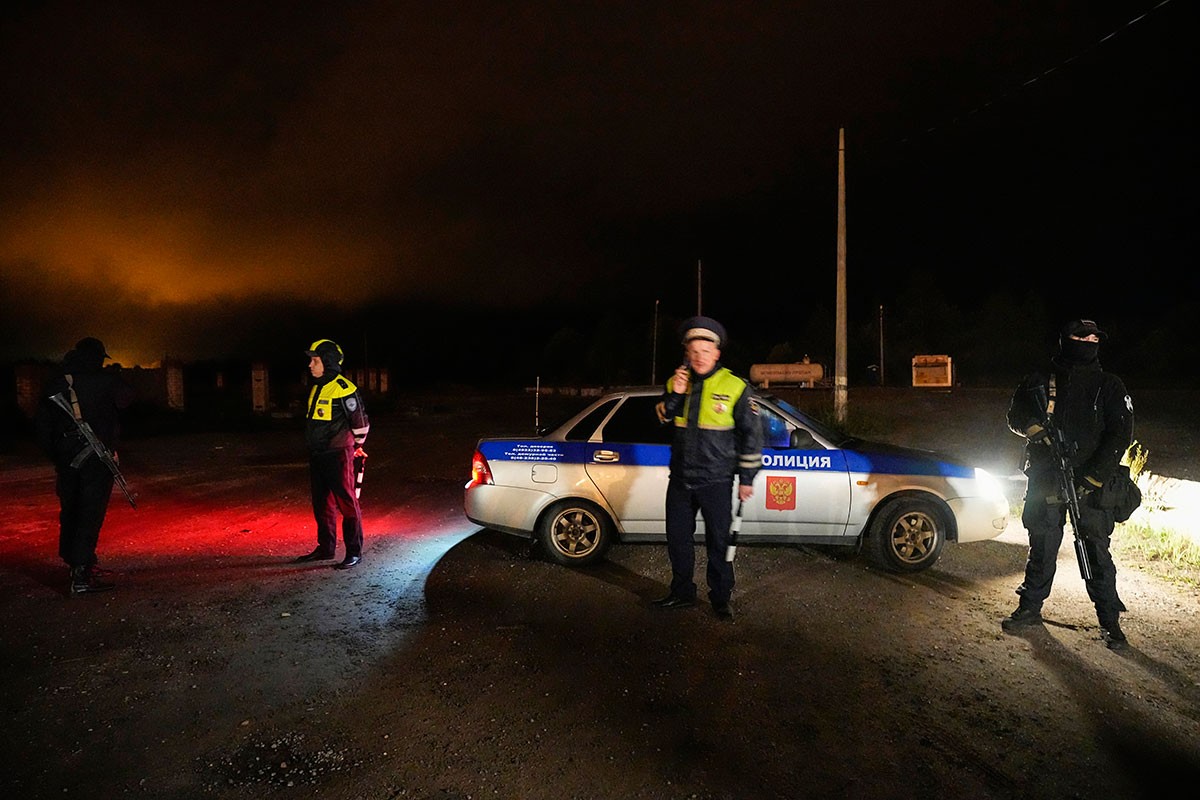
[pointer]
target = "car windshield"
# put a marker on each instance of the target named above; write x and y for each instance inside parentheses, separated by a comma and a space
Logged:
(834, 437)
(635, 421)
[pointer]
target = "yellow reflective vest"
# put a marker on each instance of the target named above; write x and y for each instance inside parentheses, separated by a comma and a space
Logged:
(717, 431)
(336, 416)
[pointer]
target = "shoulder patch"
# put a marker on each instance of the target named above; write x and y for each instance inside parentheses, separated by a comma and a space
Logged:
(351, 403)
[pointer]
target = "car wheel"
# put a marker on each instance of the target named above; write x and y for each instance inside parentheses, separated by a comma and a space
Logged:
(907, 535)
(574, 533)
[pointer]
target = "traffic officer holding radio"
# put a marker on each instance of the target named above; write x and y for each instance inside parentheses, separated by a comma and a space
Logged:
(717, 438)
(336, 428)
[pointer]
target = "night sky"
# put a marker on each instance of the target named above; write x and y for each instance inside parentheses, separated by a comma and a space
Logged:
(211, 179)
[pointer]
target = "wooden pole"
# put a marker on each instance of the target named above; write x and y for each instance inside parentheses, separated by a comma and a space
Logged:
(839, 373)
(654, 348)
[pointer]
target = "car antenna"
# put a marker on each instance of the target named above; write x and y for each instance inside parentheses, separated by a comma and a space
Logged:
(537, 399)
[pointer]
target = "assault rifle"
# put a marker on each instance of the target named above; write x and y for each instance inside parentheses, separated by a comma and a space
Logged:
(94, 446)
(1063, 450)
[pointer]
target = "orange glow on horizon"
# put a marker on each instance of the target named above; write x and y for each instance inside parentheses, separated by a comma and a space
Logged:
(158, 256)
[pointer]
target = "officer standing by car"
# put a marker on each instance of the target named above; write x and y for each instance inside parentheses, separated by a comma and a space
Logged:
(1093, 411)
(717, 437)
(335, 431)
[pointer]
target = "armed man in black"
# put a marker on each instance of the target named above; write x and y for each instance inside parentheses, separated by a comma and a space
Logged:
(717, 437)
(1093, 411)
(335, 431)
(83, 482)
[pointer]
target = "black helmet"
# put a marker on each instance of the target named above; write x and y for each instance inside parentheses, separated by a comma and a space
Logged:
(328, 351)
(91, 346)
(1082, 327)
(89, 353)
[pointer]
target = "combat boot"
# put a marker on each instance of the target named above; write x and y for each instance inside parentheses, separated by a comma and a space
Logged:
(1023, 617)
(1113, 636)
(84, 581)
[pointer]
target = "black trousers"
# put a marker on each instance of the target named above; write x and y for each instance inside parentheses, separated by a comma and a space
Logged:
(715, 504)
(332, 478)
(83, 496)
(1044, 521)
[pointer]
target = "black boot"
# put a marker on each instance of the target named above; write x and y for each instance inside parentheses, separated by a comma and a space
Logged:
(84, 581)
(1113, 636)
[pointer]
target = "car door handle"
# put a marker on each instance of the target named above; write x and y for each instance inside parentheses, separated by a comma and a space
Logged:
(606, 456)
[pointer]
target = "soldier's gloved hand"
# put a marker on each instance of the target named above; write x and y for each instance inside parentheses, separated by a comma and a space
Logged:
(1037, 434)
(1086, 487)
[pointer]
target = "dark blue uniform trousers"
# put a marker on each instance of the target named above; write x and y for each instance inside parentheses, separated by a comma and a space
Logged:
(715, 504)
(332, 478)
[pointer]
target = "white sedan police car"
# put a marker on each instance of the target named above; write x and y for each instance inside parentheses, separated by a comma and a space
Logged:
(601, 477)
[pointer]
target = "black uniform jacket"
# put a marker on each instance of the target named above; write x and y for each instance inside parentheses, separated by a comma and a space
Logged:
(1091, 407)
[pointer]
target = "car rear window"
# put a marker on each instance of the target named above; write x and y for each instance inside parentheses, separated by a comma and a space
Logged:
(637, 423)
(582, 431)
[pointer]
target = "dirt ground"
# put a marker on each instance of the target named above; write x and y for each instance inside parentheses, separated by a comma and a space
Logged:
(453, 663)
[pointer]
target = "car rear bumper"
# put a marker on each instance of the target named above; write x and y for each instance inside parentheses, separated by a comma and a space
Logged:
(505, 508)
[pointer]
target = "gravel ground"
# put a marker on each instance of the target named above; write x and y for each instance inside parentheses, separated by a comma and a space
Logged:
(453, 663)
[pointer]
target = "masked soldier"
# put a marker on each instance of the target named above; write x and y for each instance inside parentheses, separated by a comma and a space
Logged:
(83, 482)
(1093, 411)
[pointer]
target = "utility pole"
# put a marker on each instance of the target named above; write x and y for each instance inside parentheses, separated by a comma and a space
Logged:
(881, 344)
(839, 371)
(654, 348)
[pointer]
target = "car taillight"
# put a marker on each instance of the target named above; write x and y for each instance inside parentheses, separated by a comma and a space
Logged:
(481, 473)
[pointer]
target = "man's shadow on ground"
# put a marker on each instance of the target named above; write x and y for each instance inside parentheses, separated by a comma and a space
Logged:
(1150, 760)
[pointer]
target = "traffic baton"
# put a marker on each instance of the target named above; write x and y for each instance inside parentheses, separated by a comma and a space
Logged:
(360, 466)
(734, 527)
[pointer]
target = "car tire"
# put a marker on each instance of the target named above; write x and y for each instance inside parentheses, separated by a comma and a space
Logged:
(907, 535)
(574, 533)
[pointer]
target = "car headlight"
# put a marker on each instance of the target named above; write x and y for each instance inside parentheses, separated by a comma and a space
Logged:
(989, 485)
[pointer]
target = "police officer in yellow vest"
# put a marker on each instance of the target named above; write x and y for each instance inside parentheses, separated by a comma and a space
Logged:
(335, 430)
(717, 437)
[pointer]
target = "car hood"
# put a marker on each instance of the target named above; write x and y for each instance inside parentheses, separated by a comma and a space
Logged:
(867, 455)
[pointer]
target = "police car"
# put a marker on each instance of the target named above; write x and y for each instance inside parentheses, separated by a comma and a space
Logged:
(601, 477)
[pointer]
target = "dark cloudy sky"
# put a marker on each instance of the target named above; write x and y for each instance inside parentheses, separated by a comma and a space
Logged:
(173, 171)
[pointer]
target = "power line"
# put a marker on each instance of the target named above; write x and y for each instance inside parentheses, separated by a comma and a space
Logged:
(1046, 73)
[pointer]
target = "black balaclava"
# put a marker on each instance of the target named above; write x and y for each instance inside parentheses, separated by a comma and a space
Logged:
(1073, 352)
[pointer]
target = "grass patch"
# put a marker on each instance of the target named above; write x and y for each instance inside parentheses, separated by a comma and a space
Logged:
(1168, 553)
(1158, 549)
